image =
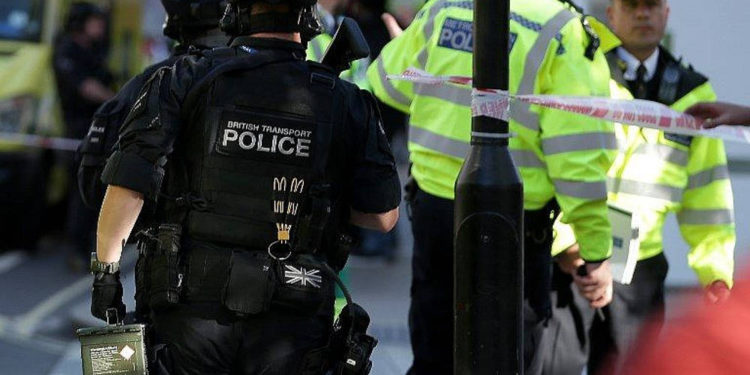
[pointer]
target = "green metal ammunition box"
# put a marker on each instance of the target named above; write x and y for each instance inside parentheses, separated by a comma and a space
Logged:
(113, 349)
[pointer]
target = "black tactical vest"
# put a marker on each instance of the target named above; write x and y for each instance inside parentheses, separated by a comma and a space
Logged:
(251, 168)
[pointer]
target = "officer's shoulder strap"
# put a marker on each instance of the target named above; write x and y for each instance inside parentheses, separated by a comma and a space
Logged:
(594, 41)
(677, 79)
(217, 52)
(322, 74)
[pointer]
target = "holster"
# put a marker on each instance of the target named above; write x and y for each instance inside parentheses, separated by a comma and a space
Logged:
(538, 239)
(164, 273)
(339, 254)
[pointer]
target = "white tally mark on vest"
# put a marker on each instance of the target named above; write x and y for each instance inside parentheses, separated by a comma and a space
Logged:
(302, 276)
(286, 204)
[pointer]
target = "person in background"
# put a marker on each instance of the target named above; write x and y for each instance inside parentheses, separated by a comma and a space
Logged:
(83, 84)
(655, 174)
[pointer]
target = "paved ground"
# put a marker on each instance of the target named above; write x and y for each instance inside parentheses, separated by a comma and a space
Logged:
(43, 302)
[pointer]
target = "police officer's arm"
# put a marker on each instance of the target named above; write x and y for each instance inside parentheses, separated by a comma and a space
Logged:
(380, 222)
(119, 213)
(578, 153)
(579, 150)
(706, 216)
(375, 189)
(135, 170)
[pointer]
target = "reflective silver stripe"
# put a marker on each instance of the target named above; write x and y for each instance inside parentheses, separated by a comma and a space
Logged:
(535, 57)
(428, 29)
(527, 159)
(316, 49)
(720, 172)
(521, 112)
(452, 147)
(422, 58)
(644, 189)
(491, 135)
(396, 95)
(579, 142)
(454, 94)
(705, 217)
(582, 190)
(664, 152)
(437, 142)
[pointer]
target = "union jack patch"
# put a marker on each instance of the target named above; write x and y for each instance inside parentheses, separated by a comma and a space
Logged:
(302, 276)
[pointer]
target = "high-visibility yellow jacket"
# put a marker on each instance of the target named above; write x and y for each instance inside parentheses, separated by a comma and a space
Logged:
(657, 173)
(560, 156)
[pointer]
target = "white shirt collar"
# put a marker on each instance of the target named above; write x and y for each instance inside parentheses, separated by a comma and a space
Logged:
(632, 63)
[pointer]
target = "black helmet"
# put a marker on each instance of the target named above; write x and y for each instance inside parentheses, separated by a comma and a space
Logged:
(79, 13)
(301, 17)
(191, 16)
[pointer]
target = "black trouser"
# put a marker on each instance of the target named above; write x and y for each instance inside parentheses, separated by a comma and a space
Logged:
(431, 310)
(576, 337)
(200, 336)
(198, 339)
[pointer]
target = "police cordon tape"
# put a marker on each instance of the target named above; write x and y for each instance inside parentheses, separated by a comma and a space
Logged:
(496, 104)
(64, 144)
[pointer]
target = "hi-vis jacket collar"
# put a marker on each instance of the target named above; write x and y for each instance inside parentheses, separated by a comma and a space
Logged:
(609, 41)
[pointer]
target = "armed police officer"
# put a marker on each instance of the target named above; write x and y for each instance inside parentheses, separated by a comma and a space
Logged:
(192, 24)
(254, 157)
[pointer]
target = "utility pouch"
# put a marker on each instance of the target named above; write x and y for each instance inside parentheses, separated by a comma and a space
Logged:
(250, 286)
(165, 281)
(339, 254)
(303, 287)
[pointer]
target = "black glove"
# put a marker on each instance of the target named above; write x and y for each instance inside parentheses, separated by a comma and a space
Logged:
(107, 294)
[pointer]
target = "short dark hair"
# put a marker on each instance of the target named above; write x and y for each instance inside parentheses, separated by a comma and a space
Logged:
(79, 14)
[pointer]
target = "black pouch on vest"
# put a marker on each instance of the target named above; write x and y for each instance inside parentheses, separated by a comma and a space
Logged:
(303, 287)
(165, 279)
(250, 286)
